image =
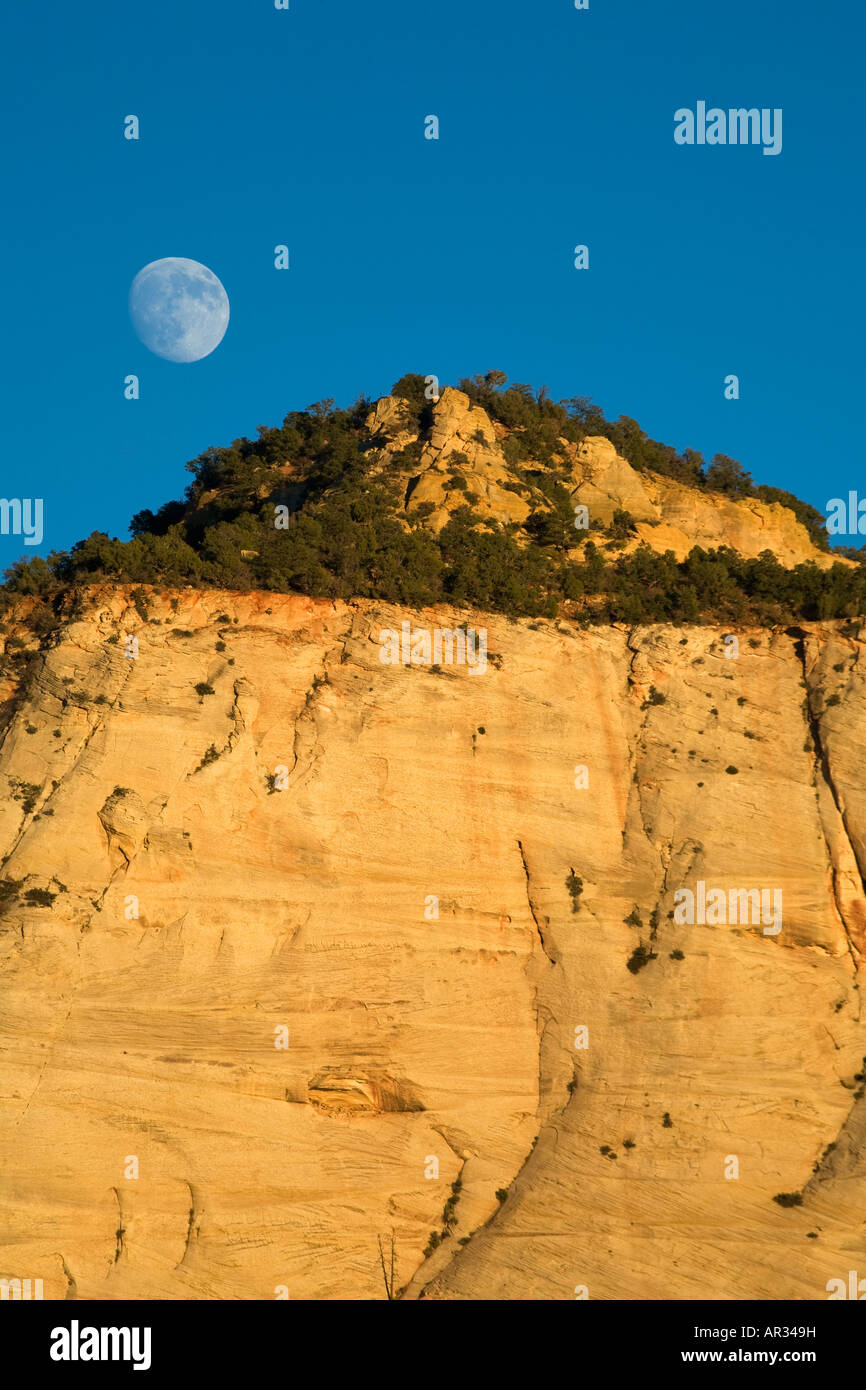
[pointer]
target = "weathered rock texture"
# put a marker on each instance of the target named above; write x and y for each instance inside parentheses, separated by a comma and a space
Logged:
(460, 459)
(226, 866)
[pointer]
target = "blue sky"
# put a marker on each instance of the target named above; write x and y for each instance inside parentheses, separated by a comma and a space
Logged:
(306, 127)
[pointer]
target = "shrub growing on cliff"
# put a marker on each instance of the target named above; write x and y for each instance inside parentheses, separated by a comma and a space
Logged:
(27, 793)
(655, 697)
(9, 889)
(575, 888)
(640, 957)
(449, 1211)
(433, 1243)
(39, 897)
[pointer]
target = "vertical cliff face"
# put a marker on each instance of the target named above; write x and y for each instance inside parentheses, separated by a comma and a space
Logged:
(300, 948)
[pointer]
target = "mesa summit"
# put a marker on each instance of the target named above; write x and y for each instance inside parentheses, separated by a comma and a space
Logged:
(734, 127)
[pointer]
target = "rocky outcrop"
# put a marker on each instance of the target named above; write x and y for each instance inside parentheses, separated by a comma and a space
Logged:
(609, 484)
(459, 458)
(692, 517)
(299, 949)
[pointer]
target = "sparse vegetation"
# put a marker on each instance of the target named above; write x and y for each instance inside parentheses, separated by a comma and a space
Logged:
(210, 756)
(640, 956)
(574, 884)
(9, 890)
(829, 1149)
(789, 1199)
(655, 697)
(26, 793)
(449, 1211)
(436, 1239)
(39, 897)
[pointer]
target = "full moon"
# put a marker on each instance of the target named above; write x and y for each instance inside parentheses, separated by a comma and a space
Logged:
(179, 309)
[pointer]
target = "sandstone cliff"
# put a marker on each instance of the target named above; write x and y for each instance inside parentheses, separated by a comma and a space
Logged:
(305, 941)
(460, 458)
